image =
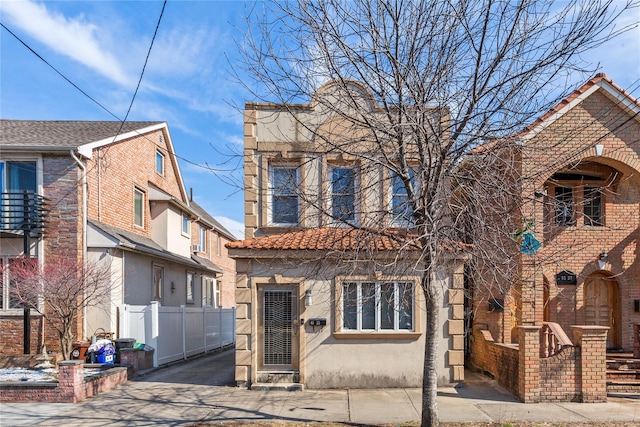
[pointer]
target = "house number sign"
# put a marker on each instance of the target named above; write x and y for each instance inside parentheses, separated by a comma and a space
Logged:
(566, 277)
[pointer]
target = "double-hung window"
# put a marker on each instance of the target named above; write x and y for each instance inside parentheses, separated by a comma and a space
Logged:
(401, 208)
(343, 194)
(386, 306)
(190, 286)
(285, 203)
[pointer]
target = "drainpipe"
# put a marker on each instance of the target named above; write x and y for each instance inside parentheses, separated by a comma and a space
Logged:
(84, 225)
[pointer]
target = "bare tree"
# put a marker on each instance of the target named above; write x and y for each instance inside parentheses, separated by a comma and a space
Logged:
(446, 77)
(59, 291)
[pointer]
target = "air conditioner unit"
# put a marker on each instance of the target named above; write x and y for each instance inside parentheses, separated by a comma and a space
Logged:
(197, 248)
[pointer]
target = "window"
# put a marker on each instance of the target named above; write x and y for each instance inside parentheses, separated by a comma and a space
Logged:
(210, 292)
(186, 225)
(377, 306)
(16, 177)
(343, 194)
(219, 245)
(158, 280)
(593, 206)
(138, 207)
(202, 239)
(160, 163)
(564, 207)
(401, 208)
(8, 299)
(190, 287)
(284, 195)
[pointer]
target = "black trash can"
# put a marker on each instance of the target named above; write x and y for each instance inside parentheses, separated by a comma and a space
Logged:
(123, 343)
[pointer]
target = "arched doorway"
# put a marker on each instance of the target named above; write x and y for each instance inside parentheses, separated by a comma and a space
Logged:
(601, 305)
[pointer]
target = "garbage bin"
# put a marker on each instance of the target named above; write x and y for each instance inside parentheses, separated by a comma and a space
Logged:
(79, 351)
(123, 343)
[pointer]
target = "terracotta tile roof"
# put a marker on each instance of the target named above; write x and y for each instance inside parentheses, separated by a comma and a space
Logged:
(61, 134)
(338, 239)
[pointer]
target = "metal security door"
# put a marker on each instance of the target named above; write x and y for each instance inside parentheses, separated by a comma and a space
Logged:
(279, 333)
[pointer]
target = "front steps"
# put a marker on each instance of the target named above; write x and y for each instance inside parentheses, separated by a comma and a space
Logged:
(623, 374)
(283, 381)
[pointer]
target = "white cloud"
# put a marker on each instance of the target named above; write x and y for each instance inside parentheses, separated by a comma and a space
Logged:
(236, 228)
(75, 38)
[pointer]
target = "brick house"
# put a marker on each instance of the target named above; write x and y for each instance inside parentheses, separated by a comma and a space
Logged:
(578, 168)
(114, 193)
(320, 302)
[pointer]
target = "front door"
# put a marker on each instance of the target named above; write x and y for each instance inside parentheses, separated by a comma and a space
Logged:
(278, 328)
(601, 305)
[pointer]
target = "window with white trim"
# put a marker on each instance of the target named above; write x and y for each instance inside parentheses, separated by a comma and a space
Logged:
(202, 239)
(138, 207)
(186, 225)
(159, 163)
(343, 181)
(210, 292)
(8, 299)
(386, 306)
(284, 200)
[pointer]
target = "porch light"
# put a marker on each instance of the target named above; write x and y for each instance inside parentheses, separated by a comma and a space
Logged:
(599, 149)
(308, 299)
(602, 260)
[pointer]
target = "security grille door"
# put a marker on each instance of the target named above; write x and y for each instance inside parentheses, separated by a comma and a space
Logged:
(279, 320)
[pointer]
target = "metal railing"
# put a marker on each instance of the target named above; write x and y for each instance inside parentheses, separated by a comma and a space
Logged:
(22, 211)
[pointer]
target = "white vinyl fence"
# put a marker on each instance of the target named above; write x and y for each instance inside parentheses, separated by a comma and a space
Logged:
(177, 332)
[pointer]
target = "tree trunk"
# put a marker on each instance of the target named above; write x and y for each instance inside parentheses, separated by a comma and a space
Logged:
(430, 369)
(66, 343)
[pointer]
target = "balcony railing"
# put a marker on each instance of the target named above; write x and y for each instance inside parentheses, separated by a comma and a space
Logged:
(22, 211)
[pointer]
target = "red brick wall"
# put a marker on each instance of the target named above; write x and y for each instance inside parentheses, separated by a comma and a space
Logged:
(499, 360)
(117, 169)
(71, 387)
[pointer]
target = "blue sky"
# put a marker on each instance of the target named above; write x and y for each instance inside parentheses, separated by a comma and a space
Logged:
(101, 47)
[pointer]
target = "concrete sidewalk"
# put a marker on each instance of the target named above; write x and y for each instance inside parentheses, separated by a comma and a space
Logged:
(202, 390)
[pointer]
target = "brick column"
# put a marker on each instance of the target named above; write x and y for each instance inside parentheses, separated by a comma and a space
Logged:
(529, 363)
(71, 380)
(636, 340)
(592, 341)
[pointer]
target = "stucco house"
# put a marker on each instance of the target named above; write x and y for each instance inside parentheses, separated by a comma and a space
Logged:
(578, 170)
(113, 193)
(322, 303)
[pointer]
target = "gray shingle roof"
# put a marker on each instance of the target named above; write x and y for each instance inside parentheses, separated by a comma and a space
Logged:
(58, 134)
(211, 220)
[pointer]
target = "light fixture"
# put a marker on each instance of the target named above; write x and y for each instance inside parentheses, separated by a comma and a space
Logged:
(173, 287)
(602, 260)
(599, 149)
(308, 299)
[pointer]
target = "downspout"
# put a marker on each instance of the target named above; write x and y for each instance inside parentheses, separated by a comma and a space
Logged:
(84, 225)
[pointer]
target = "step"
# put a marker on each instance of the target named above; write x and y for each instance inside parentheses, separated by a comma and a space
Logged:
(277, 386)
(623, 375)
(631, 387)
(277, 377)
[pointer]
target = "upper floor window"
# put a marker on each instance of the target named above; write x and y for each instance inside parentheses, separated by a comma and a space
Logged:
(401, 208)
(593, 206)
(202, 239)
(138, 207)
(16, 178)
(377, 306)
(564, 207)
(343, 194)
(160, 163)
(186, 224)
(284, 195)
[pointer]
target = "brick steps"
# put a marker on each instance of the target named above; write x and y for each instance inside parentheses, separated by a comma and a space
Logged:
(623, 374)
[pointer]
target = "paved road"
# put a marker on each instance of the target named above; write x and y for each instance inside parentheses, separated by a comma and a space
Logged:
(203, 390)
